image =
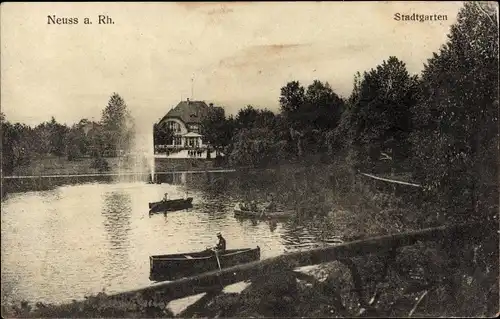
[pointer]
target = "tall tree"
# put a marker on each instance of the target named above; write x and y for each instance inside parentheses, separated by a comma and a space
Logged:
(344, 133)
(380, 113)
(16, 145)
(292, 97)
(162, 134)
(41, 139)
(321, 115)
(310, 114)
(246, 117)
(76, 142)
(326, 105)
(216, 129)
(265, 119)
(96, 140)
(257, 147)
(117, 124)
(455, 141)
(57, 135)
(7, 146)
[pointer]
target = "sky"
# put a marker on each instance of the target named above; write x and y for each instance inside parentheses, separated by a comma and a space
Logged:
(231, 54)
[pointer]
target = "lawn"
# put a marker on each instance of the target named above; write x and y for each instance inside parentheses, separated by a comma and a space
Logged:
(61, 166)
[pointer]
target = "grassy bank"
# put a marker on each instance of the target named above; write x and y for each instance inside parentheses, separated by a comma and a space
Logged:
(54, 165)
(332, 198)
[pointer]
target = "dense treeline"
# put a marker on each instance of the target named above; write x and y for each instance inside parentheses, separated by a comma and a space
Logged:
(22, 143)
(441, 126)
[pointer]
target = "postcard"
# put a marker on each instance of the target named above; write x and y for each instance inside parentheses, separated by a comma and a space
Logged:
(249, 159)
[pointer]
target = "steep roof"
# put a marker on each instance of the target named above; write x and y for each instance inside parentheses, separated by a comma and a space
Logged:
(188, 111)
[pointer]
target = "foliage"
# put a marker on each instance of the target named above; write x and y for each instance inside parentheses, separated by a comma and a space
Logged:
(16, 143)
(379, 117)
(246, 118)
(292, 97)
(256, 147)
(96, 140)
(162, 134)
(118, 124)
(97, 306)
(445, 122)
(76, 143)
(455, 138)
(310, 114)
(56, 138)
(217, 130)
(100, 164)
(21, 143)
(258, 139)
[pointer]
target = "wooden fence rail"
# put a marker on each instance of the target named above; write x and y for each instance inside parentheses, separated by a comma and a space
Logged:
(390, 180)
(213, 281)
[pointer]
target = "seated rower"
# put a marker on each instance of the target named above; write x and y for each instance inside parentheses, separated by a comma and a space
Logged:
(221, 245)
(253, 206)
(165, 197)
(243, 206)
(271, 206)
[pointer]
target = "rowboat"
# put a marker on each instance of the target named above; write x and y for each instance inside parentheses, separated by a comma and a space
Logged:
(239, 213)
(172, 267)
(170, 205)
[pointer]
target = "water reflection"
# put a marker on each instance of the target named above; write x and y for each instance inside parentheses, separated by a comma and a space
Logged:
(179, 178)
(75, 240)
(116, 211)
(273, 225)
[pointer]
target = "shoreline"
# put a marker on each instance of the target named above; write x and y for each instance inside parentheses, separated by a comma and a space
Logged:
(222, 170)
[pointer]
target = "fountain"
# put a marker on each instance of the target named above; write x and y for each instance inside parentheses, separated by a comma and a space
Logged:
(145, 147)
(151, 156)
(138, 163)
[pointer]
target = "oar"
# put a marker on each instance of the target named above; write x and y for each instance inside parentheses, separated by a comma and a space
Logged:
(261, 213)
(217, 256)
(218, 261)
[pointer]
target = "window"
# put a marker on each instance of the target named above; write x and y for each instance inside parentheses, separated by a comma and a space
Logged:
(193, 127)
(174, 126)
(177, 140)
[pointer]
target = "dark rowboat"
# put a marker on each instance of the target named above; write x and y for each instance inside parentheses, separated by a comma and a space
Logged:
(172, 267)
(170, 205)
(260, 215)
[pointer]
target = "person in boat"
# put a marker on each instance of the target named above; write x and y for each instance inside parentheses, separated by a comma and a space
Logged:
(185, 195)
(221, 245)
(271, 206)
(165, 197)
(253, 206)
(242, 206)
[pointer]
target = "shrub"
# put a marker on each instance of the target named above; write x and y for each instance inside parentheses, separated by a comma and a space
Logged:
(100, 164)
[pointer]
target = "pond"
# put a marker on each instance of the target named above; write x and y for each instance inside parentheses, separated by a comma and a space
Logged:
(75, 240)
